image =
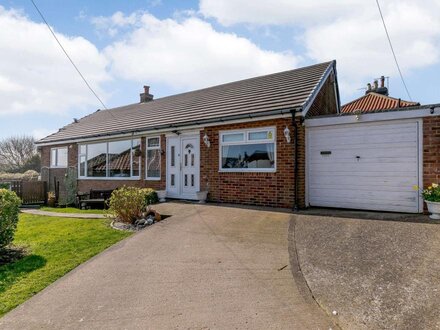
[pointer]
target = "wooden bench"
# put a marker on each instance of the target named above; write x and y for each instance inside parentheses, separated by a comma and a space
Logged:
(93, 198)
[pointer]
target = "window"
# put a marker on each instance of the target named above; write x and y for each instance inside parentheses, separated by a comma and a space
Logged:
(58, 157)
(113, 159)
(248, 150)
(153, 158)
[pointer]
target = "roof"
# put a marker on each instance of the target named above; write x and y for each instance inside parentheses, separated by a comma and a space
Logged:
(258, 96)
(374, 101)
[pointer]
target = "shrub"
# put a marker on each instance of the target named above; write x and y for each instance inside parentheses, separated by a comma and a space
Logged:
(128, 203)
(150, 196)
(5, 185)
(432, 193)
(9, 209)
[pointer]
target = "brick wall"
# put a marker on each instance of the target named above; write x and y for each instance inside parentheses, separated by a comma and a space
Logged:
(264, 189)
(52, 175)
(431, 150)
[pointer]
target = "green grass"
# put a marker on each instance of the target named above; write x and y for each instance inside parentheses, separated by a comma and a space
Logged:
(71, 210)
(56, 246)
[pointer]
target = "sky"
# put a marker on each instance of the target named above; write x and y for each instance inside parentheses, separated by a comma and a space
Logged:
(178, 46)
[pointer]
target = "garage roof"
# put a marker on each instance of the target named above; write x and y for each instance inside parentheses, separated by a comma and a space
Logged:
(250, 97)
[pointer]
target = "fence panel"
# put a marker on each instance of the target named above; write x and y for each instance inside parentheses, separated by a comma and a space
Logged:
(30, 192)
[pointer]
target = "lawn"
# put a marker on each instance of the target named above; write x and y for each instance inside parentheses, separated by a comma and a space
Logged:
(56, 246)
(71, 210)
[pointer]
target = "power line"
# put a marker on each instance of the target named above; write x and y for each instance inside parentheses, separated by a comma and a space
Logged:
(70, 59)
(392, 50)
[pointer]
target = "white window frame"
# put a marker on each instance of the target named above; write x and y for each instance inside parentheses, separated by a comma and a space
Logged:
(247, 141)
(107, 177)
(146, 158)
(56, 157)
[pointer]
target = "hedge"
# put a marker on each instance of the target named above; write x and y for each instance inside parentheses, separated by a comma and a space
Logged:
(9, 209)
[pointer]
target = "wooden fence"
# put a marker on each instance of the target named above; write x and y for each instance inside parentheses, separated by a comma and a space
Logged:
(30, 192)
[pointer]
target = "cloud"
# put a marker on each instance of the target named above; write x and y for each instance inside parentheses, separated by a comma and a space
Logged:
(286, 12)
(36, 77)
(349, 31)
(185, 52)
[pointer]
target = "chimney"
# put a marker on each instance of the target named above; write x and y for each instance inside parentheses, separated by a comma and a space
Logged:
(146, 96)
(376, 88)
(376, 84)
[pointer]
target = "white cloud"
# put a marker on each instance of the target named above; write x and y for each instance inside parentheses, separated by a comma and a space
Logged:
(290, 12)
(349, 31)
(35, 76)
(185, 53)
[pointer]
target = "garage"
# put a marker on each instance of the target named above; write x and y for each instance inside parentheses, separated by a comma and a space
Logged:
(368, 166)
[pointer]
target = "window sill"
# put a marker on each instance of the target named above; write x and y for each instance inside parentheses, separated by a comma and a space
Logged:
(110, 178)
(272, 170)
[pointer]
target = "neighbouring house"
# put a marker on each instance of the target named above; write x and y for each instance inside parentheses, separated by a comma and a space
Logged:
(376, 98)
(280, 140)
(243, 141)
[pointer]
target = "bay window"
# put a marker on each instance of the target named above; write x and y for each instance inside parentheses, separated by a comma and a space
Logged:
(153, 158)
(113, 159)
(250, 150)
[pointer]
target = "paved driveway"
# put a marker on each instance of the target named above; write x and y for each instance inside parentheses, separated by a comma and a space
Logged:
(375, 274)
(207, 267)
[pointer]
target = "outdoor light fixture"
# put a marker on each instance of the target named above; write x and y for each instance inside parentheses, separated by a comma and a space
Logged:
(287, 134)
(206, 140)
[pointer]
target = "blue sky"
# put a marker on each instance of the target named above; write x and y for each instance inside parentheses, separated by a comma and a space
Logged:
(176, 46)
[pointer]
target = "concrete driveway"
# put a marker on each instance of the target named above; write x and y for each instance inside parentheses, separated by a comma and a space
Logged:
(206, 267)
(375, 274)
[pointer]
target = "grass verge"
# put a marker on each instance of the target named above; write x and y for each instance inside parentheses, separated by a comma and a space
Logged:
(56, 246)
(71, 210)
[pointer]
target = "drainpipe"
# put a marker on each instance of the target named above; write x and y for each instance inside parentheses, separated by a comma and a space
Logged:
(295, 160)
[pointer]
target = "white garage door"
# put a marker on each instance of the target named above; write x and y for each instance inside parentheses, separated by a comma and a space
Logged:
(372, 166)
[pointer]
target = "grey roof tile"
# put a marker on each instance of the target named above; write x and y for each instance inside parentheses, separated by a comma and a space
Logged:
(288, 89)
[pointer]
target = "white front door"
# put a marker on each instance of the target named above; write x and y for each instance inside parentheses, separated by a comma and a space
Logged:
(183, 166)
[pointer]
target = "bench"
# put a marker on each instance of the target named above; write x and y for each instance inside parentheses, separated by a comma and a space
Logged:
(95, 198)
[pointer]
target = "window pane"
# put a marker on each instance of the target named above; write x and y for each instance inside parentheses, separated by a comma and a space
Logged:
(153, 163)
(136, 164)
(260, 135)
(82, 149)
(96, 160)
(119, 158)
(53, 157)
(82, 165)
(259, 155)
(62, 157)
(153, 142)
(233, 137)
(173, 155)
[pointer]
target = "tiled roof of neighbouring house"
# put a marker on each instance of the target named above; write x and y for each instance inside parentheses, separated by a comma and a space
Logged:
(374, 101)
(250, 97)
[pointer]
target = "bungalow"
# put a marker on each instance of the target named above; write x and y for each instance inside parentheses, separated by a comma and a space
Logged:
(243, 142)
(279, 140)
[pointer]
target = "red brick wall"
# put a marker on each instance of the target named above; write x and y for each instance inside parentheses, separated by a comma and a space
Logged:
(264, 189)
(431, 150)
(51, 175)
